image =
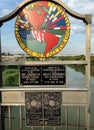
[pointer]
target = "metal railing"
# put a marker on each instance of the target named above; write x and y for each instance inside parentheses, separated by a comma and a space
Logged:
(73, 109)
(72, 118)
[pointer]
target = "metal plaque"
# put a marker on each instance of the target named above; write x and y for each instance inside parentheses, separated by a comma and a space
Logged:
(52, 108)
(43, 75)
(54, 75)
(34, 112)
(43, 108)
(30, 75)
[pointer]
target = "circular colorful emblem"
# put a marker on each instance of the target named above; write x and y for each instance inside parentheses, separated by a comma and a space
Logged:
(42, 29)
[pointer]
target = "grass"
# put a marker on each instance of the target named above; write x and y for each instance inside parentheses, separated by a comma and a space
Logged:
(10, 76)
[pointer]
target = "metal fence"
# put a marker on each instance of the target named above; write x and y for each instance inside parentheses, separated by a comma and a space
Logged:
(74, 108)
(71, 118)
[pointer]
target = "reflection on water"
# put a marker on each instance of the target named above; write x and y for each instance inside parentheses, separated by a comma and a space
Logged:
(74, 79)
(78, 79)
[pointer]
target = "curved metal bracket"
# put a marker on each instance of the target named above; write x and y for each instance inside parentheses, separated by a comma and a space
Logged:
(86, 18)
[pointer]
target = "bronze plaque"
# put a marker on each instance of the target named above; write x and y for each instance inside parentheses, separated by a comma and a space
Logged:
(43, 108)
(34, 111)
(52, 108)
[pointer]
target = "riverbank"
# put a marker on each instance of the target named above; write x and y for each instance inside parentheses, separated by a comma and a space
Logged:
(79, 68)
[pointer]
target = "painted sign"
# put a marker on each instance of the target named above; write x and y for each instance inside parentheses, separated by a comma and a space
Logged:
(43, 108)
(43, 75)
(42, 29)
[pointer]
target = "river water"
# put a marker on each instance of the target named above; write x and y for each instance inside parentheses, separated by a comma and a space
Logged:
(73, 79)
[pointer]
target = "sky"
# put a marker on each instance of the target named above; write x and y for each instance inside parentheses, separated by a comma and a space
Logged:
(77, 40)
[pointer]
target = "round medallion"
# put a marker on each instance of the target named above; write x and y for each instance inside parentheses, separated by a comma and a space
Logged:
(52, 103)
(33, 103)
(42, 29)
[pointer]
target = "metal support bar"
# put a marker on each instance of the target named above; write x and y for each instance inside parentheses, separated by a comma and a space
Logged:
(88, 51)
(88, 18)
(87, 68)
(1, 121)
(54, 128)
(66, 117)
(78, 116)
(20, 111)
(9, 112)
(66, 62)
